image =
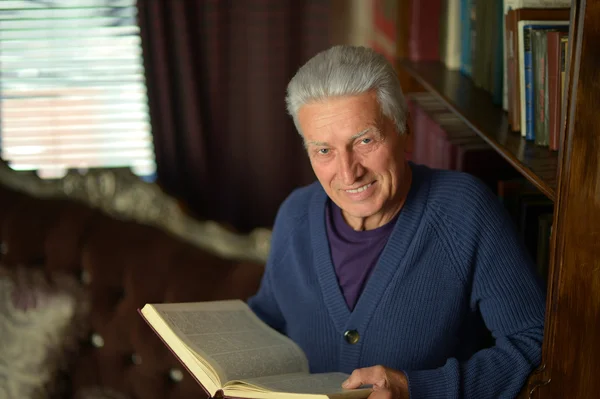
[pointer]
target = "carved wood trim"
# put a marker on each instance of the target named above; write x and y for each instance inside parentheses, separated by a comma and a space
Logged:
(121, 194)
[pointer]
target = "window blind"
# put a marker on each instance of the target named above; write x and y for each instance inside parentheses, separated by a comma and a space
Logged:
(72, 87)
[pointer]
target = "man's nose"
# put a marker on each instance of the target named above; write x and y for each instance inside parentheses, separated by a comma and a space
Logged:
(349, 168)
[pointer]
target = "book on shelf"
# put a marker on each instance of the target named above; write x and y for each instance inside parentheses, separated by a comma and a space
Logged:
(484, 40)
(555, 83)
(450, 34)
(443, 140)
(564, 61)
(231, 353)
(467, 16)
(486, 53)
(540, 87)
(514, 5)
(384, 27)
(513, 17)
(525, 30)
(424, 36)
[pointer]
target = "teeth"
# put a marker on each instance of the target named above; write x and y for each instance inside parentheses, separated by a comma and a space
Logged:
(359, 190)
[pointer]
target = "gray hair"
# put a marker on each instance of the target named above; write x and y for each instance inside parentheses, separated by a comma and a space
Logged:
(346, 71)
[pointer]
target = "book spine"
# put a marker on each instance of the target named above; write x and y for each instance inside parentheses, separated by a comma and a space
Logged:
(529, 99)
(507, 6)
(465, 55)
(537, 86)
(554, 98)
(425, 30)
(546, 98)
(420, 124)
(444, 33)
(473, 39)
(540, 84)
(484, 39)
(563, 65)
(514, 115)
(451, 39)
(564, 46)
(385, 33)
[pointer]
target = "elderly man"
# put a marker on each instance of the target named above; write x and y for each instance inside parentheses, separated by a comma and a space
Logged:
(388, 270)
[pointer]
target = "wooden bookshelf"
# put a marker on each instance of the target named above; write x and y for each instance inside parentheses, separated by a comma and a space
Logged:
(570, 363)
(475, 107)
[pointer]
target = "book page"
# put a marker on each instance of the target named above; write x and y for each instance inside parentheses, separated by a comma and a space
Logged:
(233, 340)
(329, 384)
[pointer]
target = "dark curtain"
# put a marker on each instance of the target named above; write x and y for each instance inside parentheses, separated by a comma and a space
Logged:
(216, 73)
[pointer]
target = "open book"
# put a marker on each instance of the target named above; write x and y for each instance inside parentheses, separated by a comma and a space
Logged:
(232, 353)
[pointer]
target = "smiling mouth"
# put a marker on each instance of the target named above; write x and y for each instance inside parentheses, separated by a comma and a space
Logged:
(360, 189)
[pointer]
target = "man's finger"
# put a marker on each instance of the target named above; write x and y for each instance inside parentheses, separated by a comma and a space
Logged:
(366, 376)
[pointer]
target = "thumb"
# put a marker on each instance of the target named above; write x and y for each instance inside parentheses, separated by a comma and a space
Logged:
(354, 381)
(366, 376)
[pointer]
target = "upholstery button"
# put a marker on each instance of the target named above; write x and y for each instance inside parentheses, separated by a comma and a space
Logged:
(351, 336)
(136, 359)
(85, 277)
(175, 375)
(97, 340)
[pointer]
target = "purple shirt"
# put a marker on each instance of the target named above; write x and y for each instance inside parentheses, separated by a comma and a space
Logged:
(354, 253)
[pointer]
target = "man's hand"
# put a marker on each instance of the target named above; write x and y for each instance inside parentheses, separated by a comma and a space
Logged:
(387, 383)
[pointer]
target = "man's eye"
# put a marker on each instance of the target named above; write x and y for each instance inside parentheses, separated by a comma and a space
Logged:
(366, 141)
(324, 151)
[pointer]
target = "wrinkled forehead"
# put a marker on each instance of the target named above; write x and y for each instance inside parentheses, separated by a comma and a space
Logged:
(348, 116)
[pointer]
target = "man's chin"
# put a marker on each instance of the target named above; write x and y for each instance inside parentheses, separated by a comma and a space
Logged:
(360, 211)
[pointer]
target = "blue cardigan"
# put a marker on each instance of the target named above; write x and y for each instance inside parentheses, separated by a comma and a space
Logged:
(453, 267)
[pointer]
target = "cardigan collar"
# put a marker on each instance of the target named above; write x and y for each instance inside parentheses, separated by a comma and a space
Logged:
(388, 264)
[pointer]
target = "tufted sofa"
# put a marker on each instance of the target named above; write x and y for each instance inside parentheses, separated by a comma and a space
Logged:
(127, 244)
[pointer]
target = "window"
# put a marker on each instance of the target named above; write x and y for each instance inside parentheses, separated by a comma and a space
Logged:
(72, 87)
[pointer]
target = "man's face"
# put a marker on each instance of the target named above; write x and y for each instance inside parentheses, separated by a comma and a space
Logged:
(356, 153)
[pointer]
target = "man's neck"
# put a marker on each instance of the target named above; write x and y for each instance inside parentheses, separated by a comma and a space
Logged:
(382, 218)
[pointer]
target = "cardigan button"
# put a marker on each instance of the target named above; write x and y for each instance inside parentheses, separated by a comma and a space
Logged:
(351, 336)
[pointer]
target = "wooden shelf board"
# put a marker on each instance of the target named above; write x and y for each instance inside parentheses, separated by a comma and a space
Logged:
(475, 107)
